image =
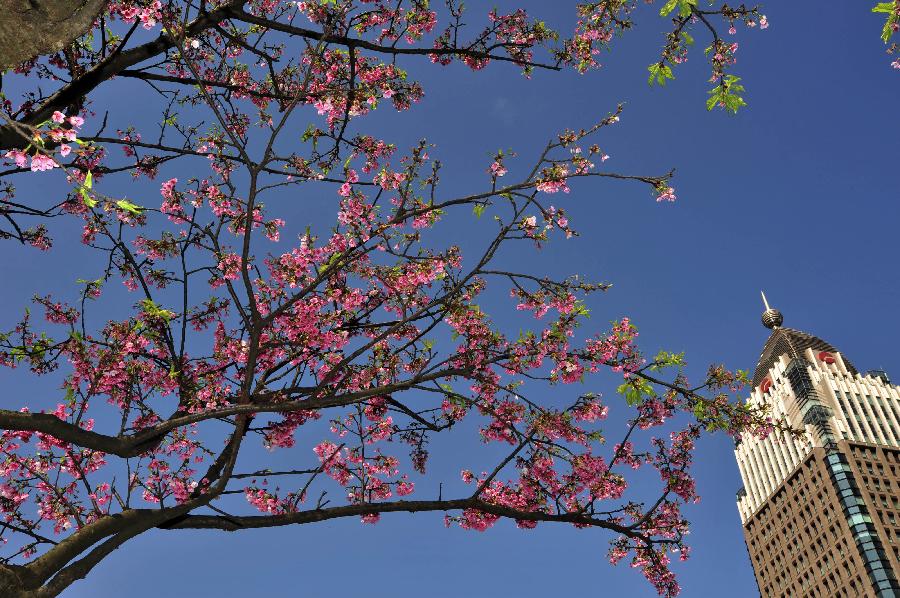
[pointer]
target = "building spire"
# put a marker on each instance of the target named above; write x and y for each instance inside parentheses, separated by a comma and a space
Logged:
(771, 318)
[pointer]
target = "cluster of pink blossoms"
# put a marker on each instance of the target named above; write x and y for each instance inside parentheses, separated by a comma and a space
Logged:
(61, 129)
(281, 434)
(541, 302)
(58, 312)
(525, 497)
(553, 179)
(148, 12)
(666, 194)
(388, 180)
(347, 188)
(376, 80)
(617, 349)
(269, 502)
(597, 24)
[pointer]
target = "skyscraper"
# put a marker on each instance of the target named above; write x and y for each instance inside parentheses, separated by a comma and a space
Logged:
(821, 514)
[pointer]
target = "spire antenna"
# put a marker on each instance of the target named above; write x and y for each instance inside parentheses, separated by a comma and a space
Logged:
(771, 318)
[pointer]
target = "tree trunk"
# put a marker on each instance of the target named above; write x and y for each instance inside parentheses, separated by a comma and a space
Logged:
(29, 28)
(12, 584)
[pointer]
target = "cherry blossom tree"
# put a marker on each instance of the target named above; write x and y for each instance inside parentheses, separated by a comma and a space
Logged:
(358, 343)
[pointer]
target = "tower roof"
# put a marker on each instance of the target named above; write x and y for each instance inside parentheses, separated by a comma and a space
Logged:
(788, 341)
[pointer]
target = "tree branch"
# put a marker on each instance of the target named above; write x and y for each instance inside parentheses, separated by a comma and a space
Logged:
(235, 523)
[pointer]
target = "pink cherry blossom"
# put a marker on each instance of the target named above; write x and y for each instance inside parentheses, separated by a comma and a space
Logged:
(21, 158)
(666, 194)
(41, 162)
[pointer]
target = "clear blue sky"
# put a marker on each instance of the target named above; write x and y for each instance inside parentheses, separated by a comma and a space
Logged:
(798, 194)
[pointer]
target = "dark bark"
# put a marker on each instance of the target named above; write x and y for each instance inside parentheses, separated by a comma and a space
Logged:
(234, 523)
(29, 28)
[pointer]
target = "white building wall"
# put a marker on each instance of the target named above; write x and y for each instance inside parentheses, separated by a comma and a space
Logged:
(765, 464)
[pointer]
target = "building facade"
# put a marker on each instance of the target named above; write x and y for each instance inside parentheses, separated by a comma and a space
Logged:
(821, 513)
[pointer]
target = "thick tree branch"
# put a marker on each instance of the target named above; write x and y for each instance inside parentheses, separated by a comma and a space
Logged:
(235, 523)
(28, 29)
(133, 445)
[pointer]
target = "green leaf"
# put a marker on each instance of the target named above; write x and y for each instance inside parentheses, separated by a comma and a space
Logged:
(88, 183)
(632, 395)
(478, 210)
(888, 29)
(580, 309)
(733, 102)
(635, 390)
(726, 94)
(659, 73)
(152, 309)
(666, 359)
(688, 39)
(667, 7)
(887, 7)
(88, 201)
(126, 205)
(684, 7)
